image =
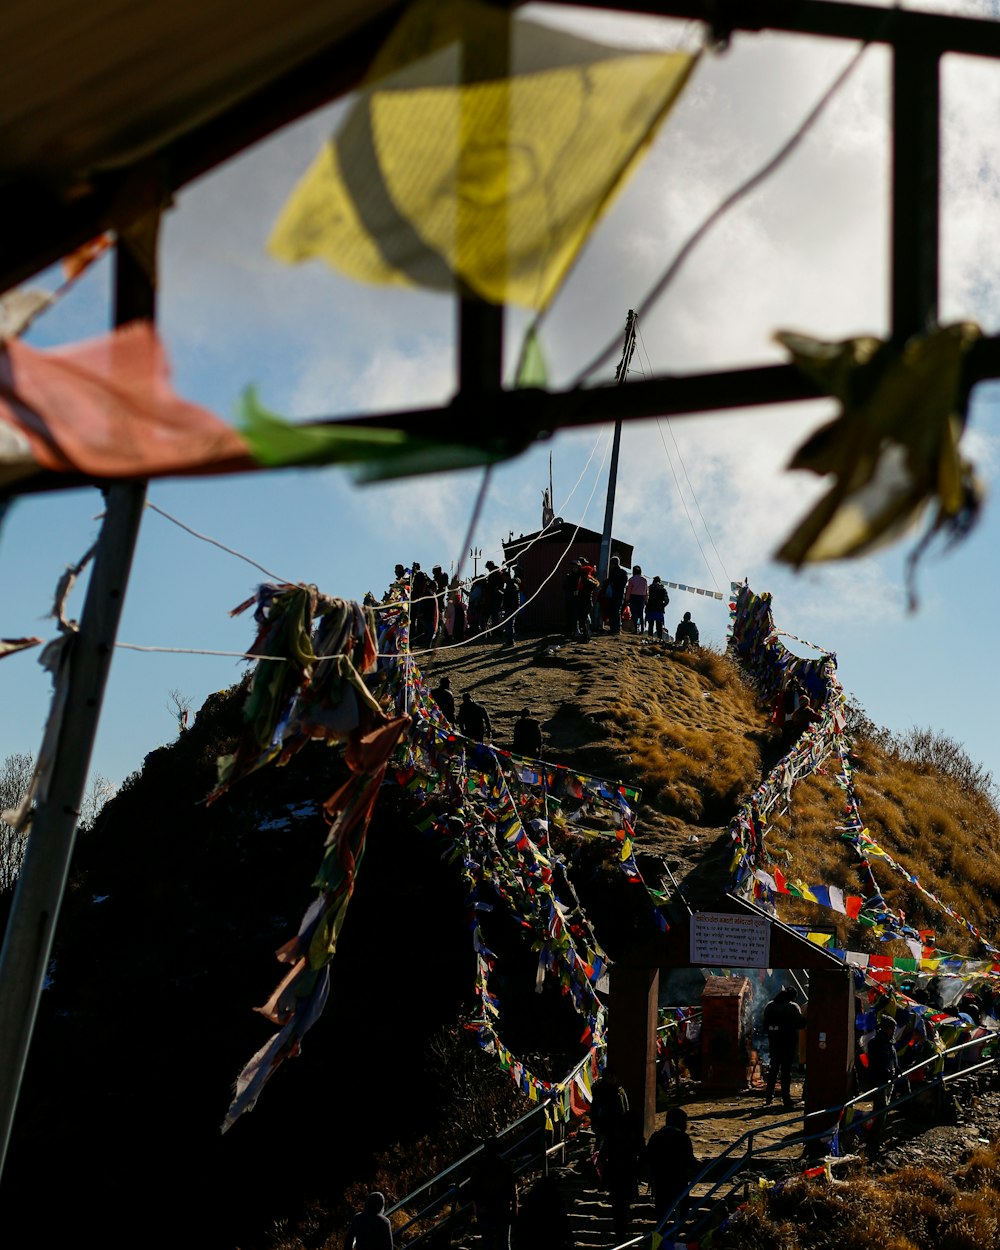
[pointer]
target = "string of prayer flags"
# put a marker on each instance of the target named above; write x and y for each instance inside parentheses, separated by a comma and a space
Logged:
(695, 590)
(303, 697)
(867, 846)
(480, 153)
(493, 842)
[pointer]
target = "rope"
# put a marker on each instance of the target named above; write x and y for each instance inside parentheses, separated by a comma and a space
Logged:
(222, 546)
(729, 202)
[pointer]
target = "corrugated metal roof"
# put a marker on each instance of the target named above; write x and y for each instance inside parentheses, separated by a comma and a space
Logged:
(91, 90)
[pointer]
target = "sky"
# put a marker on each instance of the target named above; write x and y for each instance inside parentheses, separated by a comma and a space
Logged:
(703, 499)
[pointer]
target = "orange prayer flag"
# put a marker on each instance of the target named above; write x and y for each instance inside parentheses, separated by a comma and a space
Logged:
(105, 409)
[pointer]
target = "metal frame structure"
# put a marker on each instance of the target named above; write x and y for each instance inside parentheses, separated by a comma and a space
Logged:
(41, 228)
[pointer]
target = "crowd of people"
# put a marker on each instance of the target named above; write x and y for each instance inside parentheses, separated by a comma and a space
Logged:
(620, 602)
(446, 610)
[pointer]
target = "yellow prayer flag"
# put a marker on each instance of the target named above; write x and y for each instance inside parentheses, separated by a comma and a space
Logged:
(480, 153)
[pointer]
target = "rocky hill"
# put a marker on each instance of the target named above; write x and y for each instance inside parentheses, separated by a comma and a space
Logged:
(175, 909)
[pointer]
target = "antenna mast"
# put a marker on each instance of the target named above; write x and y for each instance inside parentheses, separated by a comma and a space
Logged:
(628, 347)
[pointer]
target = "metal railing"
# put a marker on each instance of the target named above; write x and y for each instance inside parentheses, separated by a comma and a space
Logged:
(440, 1203)
(677, 1215)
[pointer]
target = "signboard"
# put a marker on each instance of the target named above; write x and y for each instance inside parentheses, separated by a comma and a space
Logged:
(721, 940)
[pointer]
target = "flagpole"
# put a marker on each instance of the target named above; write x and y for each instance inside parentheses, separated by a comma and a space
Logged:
(604, 561)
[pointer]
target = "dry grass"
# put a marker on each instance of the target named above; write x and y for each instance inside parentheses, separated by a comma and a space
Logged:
(688, 730)
(692, 729)
(914, 1208)
(937, 826)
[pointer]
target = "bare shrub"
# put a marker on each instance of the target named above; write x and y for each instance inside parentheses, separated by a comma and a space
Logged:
(15, 777)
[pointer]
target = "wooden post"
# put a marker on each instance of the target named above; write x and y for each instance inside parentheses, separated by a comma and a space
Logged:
(632, 1037)
(42, 880)
(829, 1044)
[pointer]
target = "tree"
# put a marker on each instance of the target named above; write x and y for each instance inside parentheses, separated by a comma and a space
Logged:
(179, 707)
(15, 778)
(98, 793)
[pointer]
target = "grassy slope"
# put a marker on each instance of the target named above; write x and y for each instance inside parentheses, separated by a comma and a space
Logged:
(689, 731)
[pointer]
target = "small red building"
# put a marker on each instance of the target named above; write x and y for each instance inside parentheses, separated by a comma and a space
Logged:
(726, 1022)
(543, 559)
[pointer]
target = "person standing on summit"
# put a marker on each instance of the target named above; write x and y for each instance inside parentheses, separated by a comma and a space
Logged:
(782, 1021)
(635, 596)
(656, 603)
(617, 582)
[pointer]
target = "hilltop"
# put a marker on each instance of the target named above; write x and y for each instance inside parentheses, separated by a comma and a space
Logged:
(175, 909)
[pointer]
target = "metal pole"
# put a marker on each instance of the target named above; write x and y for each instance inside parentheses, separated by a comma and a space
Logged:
(42, 879)
(915, 162)
(481, 325)
(604, 561)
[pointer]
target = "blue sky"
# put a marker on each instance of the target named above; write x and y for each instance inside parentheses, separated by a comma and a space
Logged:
(805, 252)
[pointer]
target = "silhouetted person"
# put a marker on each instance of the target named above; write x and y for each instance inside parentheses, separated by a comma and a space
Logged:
(424, 609)
(543, 1221)
(370, 1229)
(687, 632)
(527, 735)
(493, 1190)
(883, 1070)
(608, 1105)
(669, 1161)
(656, 603)
(511, 603)
(473, 719)
(444, 698)
(622, 1150)
(584, 599)
(617, 582)
(782, 1020)
(493, 605)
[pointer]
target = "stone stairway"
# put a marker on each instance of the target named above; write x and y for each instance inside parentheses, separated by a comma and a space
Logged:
(589, 1205)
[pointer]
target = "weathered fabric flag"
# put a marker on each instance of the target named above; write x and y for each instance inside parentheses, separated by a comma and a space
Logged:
(479, 154)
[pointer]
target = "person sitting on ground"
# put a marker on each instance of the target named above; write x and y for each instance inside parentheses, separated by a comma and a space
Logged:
(635, 597)
(527, 735)
(444, 698)
(656, 603)
(687, 632)
(803, 716)
(473, 719)
(370, 1229)
(669, 1161)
